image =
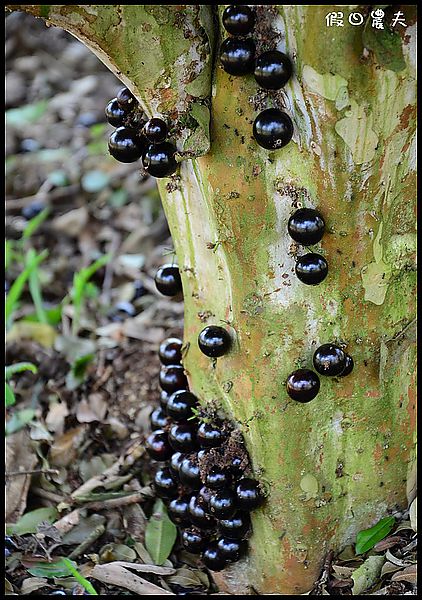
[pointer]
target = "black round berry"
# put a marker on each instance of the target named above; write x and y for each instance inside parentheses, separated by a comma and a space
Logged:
(329, 360)
(170, 350)
(306, 226)
(217, 478)
(349, 366)
(209, 435)
(164, 398)
(204, 496)
(272, 129)
(223, 504)
(249, 495)
(178, 510)
(189, 473)
(33, 209)
(183, 439)
(159, 419)
(273, 69)
(232, 550)
(212, 558)
(168, 281)
(194, 540)
(303, 385)
(165, 484)
(155, 130)
(175, 463)
(139, 290)
(238, 20)
(114, 113)
(123, 145)
(311, 268)
(172, 378)
(214, 341)
(180, 404)
(159, 160)
(198, 514)
(236, 467)
(157, 445)
(126, 99)
(238, 56)
(236, 527)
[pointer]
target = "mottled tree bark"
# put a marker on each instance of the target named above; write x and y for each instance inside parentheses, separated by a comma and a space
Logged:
(338, 464)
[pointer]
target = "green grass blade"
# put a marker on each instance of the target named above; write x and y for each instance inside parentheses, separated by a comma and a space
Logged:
(84, 582)
(34, 223)
(35, 290)
(18, 285)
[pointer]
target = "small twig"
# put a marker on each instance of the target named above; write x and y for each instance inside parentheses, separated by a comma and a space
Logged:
(92, 537)
(32, 472)
(47, 495)
(118, 502)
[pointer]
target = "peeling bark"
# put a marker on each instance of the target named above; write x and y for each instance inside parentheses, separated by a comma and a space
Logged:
(336, 465)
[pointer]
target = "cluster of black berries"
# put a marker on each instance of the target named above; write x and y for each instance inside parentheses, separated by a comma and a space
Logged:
(329, 360)
(136, 137)
(306, 226)
(202, 472)
(272, 128)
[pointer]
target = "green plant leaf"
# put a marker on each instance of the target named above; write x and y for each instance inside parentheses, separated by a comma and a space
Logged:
(160, 534)
(17, 287)
(9, 396)
(29, 522)
(11, 370)
(19, 420)
(34, 223)
(53, 315)
(20, 117)
(366, 539)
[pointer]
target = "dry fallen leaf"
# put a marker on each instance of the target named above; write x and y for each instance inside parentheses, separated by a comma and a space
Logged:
(115, 574)
(64, 451)
(408, 574)
(72, 222)
(57, 413)
(20, 456)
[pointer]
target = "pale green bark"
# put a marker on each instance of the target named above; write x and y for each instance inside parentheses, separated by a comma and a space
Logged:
(336, 465)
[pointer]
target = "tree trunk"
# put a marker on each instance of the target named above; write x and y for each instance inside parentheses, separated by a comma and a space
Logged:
(336, 465)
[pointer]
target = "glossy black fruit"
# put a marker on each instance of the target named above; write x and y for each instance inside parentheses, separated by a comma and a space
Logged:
(273, 69)
(32, 210)
(172, 378)
(236, 467)
(198, 515)
(115, 114)
(303, 385)
(236, 527)
(209, 435)
(238, 20)
(217, 478)
(232, 550)
(139, 290)
(204, 496)
(175, 463)
(170, 350)
(349, 366)
(157, 445)
(223, 504)
(178, 510)
(165, 484)
(212, 557)
(306, 226)
(123, 145)
(182, 438)
(180, 404)
(155, 130)
(248, 494)
(159, 419)
(189, 473)
(272, 129)
(194, 540)
(238, 56)
(159, 160)
(311, 268)
(164, 398)
(167, 280)
(214, 341)
(329, 360)
(126, 99)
